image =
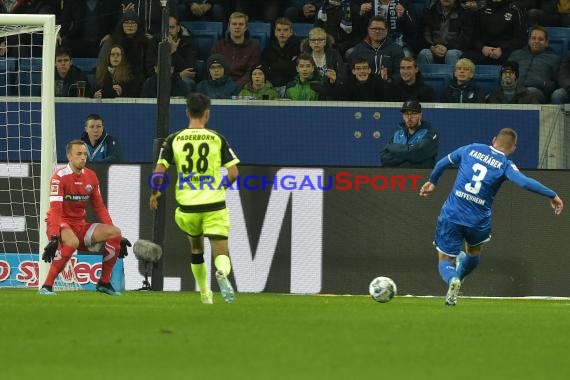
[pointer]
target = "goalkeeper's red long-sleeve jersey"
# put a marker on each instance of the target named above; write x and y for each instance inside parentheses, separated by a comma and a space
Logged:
(69, 194)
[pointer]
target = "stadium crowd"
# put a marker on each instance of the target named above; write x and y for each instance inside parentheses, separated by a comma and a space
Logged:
(403, 43)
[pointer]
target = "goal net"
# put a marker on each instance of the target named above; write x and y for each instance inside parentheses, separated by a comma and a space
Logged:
(27, 148)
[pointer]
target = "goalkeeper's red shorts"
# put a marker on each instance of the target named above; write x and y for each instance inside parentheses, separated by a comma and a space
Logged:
(84, 232)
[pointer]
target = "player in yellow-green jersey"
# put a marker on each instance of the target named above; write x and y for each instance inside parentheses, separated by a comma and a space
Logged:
(199, 154)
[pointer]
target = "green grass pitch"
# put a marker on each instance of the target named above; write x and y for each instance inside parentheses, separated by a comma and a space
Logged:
(155, 335)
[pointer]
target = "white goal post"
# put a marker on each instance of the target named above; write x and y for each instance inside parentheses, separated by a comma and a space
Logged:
(12, 25)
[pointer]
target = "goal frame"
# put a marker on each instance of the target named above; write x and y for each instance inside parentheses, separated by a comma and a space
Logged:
(48, 158)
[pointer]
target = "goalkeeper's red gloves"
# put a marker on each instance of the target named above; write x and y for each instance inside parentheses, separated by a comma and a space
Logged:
(124, 244)
(50, 249)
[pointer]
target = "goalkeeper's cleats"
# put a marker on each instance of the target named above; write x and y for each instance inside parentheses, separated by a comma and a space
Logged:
(453, 292)
(46, 292)
(207, 298)
(225, 287)
(107, 288)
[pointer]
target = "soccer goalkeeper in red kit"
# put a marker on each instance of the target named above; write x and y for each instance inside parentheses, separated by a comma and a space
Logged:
(71, 188)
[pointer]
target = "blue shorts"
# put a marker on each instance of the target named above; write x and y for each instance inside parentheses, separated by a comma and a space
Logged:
(450, 236)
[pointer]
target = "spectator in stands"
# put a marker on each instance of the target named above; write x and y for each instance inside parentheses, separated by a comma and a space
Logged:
(462, 88)
(550, 13)
(258, 87)
(183, 53)
(220, 85)
(240, 51)
(500, 28)
(414, 144)
(562, 94)
(303, 11)
(538, 64)
(341, 20)
(383, 54)
(101, 147)
(132, 39)
(448, 31)
(410, 84)
(114, 78)
(362, 85)
(510, 91)
(67, 75)
(280, 54)
(307, 85)
(85, 23)
(177, 86)
(259, 10)
(328, 61)
(200, 10)
(149, 14)
(402, 22)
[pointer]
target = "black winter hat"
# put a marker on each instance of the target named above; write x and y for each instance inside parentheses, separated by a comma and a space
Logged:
(130, 16)
(411, 105)
(258, 67)
(512, 66)
(216, 58)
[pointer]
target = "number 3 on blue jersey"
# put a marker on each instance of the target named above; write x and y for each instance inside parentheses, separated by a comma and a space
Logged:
(480, 171)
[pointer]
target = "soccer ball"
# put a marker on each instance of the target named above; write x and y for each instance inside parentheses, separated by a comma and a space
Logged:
(382, 289)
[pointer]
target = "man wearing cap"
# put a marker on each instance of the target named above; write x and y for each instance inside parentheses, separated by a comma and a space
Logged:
(510, 90)
(415, 144)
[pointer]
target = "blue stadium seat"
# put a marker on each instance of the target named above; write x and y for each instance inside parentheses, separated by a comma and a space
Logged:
(206, 40)
(302, 29)
(559, 39)
(87, 65)
(559, 45)
(260, 31)
(197, 26)
(437, 76)
(206, 34)
(30, 76)
(488, 77)
(7, 76)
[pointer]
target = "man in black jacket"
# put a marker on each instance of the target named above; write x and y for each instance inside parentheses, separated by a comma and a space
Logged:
(68, 78)
(410, 85)
(500, 28)
(280, 54)
(183, 53)
(362, 84)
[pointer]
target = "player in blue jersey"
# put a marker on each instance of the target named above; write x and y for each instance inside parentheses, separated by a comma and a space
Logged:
(465, 217)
